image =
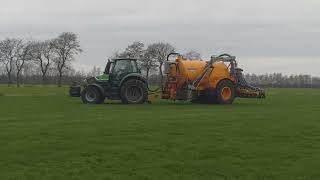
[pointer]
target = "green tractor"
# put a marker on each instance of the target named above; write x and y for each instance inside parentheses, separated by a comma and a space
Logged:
(121, 80)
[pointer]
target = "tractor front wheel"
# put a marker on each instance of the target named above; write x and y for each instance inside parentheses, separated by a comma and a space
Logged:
(225, 92)
(134, 92)
(91, 95)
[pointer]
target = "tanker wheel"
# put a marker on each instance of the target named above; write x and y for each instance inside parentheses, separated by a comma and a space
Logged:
(91, 95)
(225, 92)
(134, 92)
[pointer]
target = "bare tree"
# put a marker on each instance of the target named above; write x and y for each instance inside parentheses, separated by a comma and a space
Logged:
(66, 46)
(30, 69)
(145, 59)
(9, 50)
(118, 54)
(1, 67)
(24, 54)
(43, 54)
(134, 50)
(2, 57)
(160, 51)
(193, 55)
(148, 62)
(95, 71)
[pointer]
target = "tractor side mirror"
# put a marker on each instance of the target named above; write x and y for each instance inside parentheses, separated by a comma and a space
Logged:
(139, 70)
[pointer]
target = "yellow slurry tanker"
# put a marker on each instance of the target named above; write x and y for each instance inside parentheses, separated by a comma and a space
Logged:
(216, 81)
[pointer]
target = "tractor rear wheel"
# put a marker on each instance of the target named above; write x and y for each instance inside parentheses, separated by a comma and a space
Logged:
(225, 92)
(134, 92)
(91, 95)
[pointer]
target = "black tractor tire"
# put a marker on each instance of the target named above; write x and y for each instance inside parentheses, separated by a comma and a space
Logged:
(134, 91)
(91, 95)
(75, 91)
(225, 92)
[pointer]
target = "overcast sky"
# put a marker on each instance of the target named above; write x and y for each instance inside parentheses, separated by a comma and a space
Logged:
(266, 35)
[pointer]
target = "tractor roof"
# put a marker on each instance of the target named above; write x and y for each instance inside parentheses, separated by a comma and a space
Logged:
(119, 59)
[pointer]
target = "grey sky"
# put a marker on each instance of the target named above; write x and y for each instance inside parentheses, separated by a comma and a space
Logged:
(266, 35)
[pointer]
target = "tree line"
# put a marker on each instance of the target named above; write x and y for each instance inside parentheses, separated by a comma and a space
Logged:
(50, 61)
(20, 58)
(278, 80)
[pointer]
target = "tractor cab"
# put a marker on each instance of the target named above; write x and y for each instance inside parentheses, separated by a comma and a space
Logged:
(118, 68)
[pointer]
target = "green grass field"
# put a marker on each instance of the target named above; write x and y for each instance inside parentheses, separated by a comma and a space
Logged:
(44, 134)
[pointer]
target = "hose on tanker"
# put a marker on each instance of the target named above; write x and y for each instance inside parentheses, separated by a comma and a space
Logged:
(153, 91)
(225, 54)
(157, 89)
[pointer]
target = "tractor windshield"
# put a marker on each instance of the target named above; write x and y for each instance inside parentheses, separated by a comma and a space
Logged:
(124, 66)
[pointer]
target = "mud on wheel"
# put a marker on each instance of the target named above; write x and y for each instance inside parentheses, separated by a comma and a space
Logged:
(134, 92)
(91, 95)
(225, 92)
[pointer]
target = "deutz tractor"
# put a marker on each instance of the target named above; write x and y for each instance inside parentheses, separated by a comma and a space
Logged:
(121, 80)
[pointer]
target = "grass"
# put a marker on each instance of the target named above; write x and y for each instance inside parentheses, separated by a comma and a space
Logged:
(44, 134)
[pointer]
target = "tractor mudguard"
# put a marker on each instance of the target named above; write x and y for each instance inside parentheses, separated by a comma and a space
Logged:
(133, 76)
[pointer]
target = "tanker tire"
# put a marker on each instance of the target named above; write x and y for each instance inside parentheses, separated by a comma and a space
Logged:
(133, 91)
(91, 95)
(225, 84)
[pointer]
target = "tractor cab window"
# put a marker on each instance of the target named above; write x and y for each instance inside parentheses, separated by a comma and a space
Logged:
(123, 66)
(134, 66)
